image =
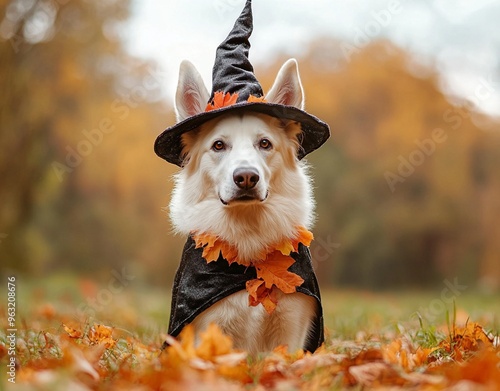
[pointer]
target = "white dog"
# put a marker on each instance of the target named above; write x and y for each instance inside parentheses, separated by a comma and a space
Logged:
(243, 198)
(241, 180)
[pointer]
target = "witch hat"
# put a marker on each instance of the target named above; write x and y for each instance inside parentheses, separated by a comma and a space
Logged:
(236, 89)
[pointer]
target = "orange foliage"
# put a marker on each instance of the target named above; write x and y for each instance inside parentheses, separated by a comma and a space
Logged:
(253, 98)
(274, 271)
(465, 340)
(222, 99)
(96, 359)
(258, 293)
(271, 266)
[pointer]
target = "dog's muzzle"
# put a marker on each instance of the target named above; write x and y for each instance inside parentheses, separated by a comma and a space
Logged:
(246, 180)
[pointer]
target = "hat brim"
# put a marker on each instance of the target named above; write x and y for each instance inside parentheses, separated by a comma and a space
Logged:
(168, 144)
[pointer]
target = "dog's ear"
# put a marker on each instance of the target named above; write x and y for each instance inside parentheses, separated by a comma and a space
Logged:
(192, 96)
(287, 88)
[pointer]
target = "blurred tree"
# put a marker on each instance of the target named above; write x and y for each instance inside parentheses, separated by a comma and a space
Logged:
(78, 121)
(406, 185)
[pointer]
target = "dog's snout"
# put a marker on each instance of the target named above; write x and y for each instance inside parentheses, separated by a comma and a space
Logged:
(246, 177)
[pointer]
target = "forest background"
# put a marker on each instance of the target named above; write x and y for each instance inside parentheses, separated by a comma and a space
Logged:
(407, 187)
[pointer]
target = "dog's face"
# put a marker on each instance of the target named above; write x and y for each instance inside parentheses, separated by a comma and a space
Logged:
(239, 158)
(240, 172)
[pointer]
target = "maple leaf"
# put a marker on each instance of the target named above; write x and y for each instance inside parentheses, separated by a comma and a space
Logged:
(253, 98)
(303, 236)
(211, 245)
(259, 294)
(222, 99)
(285, 247)
(230, 254)
(288, 246)
(252, 287)
(274, 271)
(203, 240)
(211, 253)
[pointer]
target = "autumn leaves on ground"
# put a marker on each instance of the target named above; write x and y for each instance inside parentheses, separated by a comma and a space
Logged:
(374, 341)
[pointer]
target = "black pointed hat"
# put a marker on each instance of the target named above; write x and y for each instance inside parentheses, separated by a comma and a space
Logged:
(235, 89)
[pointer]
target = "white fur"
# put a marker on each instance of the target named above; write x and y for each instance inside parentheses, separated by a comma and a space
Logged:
(205, 200)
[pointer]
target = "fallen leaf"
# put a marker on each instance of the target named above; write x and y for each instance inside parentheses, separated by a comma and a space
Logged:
(313, 362)
(73, 333)
(213, 343)
(375, 373)
(100, 334)
(465, 340)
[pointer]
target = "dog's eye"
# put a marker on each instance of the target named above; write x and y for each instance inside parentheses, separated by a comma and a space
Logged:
(265, 144)
(218, 145)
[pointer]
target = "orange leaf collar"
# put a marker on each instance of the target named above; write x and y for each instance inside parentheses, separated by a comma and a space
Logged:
(271, 266)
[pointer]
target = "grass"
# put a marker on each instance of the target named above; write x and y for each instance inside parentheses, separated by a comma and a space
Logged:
(356, 322)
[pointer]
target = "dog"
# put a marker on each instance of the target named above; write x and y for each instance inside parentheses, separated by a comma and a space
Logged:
(243, 198)
(241, 180)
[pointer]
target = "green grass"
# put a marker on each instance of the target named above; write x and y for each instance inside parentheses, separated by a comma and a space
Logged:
(349, 314)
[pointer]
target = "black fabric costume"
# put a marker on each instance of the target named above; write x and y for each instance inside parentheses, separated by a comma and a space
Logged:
(199, 284)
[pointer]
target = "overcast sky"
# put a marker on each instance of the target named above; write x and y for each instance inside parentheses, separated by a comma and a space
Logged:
(462, 37)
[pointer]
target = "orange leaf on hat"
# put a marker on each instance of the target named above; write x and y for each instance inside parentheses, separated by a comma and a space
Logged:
(253, 98)
(222, 99)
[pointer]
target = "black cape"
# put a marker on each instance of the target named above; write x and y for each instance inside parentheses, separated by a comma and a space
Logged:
(199, 284)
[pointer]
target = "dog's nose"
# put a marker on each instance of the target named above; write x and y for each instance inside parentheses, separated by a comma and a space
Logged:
(246, 177)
